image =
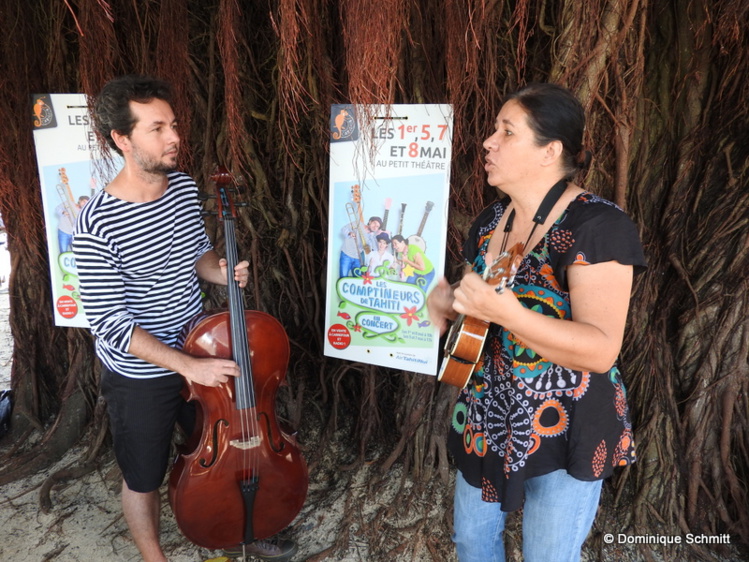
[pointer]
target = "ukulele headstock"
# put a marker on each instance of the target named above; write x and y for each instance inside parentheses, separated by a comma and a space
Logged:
(501, 271)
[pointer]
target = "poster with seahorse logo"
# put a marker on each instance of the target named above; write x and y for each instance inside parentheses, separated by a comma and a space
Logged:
(70, 172)
(387, 232)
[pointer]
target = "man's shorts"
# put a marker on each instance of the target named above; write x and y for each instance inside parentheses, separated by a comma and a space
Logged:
(142, 414)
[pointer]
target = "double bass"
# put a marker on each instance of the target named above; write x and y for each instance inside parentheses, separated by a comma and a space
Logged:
(242, 478)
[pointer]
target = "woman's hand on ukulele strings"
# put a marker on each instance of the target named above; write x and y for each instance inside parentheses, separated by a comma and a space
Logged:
(476, 298)
(440, 305)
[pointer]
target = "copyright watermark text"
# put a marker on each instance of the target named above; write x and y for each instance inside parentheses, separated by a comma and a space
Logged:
(623, 538)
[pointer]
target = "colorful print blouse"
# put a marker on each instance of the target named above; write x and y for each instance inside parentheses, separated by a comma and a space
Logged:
(523, 416)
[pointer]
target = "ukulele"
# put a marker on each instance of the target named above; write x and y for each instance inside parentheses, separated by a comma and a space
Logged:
(465, 342)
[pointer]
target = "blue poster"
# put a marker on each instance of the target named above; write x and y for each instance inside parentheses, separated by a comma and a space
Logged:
(389, 191)
(70, 172)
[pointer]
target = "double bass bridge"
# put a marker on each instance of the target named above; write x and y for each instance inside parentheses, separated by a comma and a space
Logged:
(245, 444)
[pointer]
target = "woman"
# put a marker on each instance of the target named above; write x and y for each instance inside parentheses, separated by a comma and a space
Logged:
(544, 418)
(416, 267)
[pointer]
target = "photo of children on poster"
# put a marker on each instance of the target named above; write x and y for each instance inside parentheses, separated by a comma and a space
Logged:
(389, 190)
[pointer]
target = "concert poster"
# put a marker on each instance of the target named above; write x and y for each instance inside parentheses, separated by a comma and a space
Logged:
(70, 172)
(388, 203)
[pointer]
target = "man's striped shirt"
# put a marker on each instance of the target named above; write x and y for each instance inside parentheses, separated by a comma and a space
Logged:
(136, 265)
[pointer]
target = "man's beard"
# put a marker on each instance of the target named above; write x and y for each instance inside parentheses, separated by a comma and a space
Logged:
(152, 165)
(161, 168)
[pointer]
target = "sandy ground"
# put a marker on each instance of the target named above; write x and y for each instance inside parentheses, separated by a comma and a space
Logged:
(85, 522)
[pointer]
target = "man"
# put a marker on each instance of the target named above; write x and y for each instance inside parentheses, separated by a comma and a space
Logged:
(353, 245)
(381, 257)
(65, 223)
(140, 246)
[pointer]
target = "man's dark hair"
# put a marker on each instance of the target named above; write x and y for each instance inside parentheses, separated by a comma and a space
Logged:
(112, 105)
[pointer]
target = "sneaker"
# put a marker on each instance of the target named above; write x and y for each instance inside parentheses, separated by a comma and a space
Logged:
(277, 550)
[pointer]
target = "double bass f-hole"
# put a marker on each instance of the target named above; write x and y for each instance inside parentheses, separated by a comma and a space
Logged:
(214, 448)
(276, 448)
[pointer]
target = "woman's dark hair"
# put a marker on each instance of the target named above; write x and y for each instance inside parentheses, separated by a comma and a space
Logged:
(112, 105)
(554, 113)
(398, 238)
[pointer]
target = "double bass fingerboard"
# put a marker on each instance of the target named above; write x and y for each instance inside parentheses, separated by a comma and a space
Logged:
(240, 345)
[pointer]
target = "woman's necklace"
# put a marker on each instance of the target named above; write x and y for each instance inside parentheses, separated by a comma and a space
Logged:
(550, 199)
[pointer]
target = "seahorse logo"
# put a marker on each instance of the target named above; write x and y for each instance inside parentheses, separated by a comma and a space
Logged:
(340, 121)
(343, 125)
(43, 115)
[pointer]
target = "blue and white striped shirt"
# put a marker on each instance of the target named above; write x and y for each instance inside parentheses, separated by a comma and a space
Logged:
(136, 266)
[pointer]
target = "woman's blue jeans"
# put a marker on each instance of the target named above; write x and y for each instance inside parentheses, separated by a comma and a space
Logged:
(557, 515)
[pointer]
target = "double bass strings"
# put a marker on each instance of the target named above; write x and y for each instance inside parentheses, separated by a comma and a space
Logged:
(244, 387)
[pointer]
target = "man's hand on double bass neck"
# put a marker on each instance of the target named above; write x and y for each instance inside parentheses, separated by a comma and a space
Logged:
(211, 268)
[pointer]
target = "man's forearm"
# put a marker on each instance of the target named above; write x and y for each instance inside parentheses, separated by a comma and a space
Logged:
(209, 269)
(149, 348)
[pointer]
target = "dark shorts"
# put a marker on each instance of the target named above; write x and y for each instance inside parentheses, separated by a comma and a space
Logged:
(142, 415)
